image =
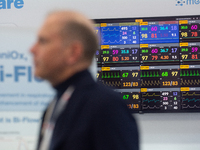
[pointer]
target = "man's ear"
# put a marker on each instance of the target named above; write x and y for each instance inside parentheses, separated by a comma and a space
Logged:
(74, 52)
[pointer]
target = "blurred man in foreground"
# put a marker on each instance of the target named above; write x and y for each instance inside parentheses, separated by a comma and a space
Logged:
(84, 114)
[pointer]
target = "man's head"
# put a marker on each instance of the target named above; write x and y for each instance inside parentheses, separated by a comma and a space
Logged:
(66, 45)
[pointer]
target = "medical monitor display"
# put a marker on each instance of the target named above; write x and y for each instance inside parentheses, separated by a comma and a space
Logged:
(153, 62)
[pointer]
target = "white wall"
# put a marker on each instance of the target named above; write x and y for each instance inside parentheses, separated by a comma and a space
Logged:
(33, 12)
(180, 131)
(170, 131)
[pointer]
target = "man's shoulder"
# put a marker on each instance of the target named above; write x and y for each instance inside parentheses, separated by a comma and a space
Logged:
(97, 93)
(102, 96)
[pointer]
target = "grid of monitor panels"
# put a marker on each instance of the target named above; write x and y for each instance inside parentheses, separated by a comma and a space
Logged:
(153, 62)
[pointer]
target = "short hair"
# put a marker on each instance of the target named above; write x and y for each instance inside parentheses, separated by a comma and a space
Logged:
(73, 30)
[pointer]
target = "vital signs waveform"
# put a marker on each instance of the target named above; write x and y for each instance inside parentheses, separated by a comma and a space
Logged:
(191, 100)
(110, 35)
(151, 107)
(151, 100)
(192, 94)
(190, 82)
(148, 94)
(110, 75)
(112, 83)
(111, 42)
(150, 74)
(108, 29)
(150, 83)
(190, 107)
(189, 73)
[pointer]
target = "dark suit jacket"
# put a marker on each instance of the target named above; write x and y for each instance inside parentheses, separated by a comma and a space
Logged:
(95, 118)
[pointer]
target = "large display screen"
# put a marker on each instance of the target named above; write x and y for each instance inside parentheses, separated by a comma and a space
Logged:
(153, 62)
